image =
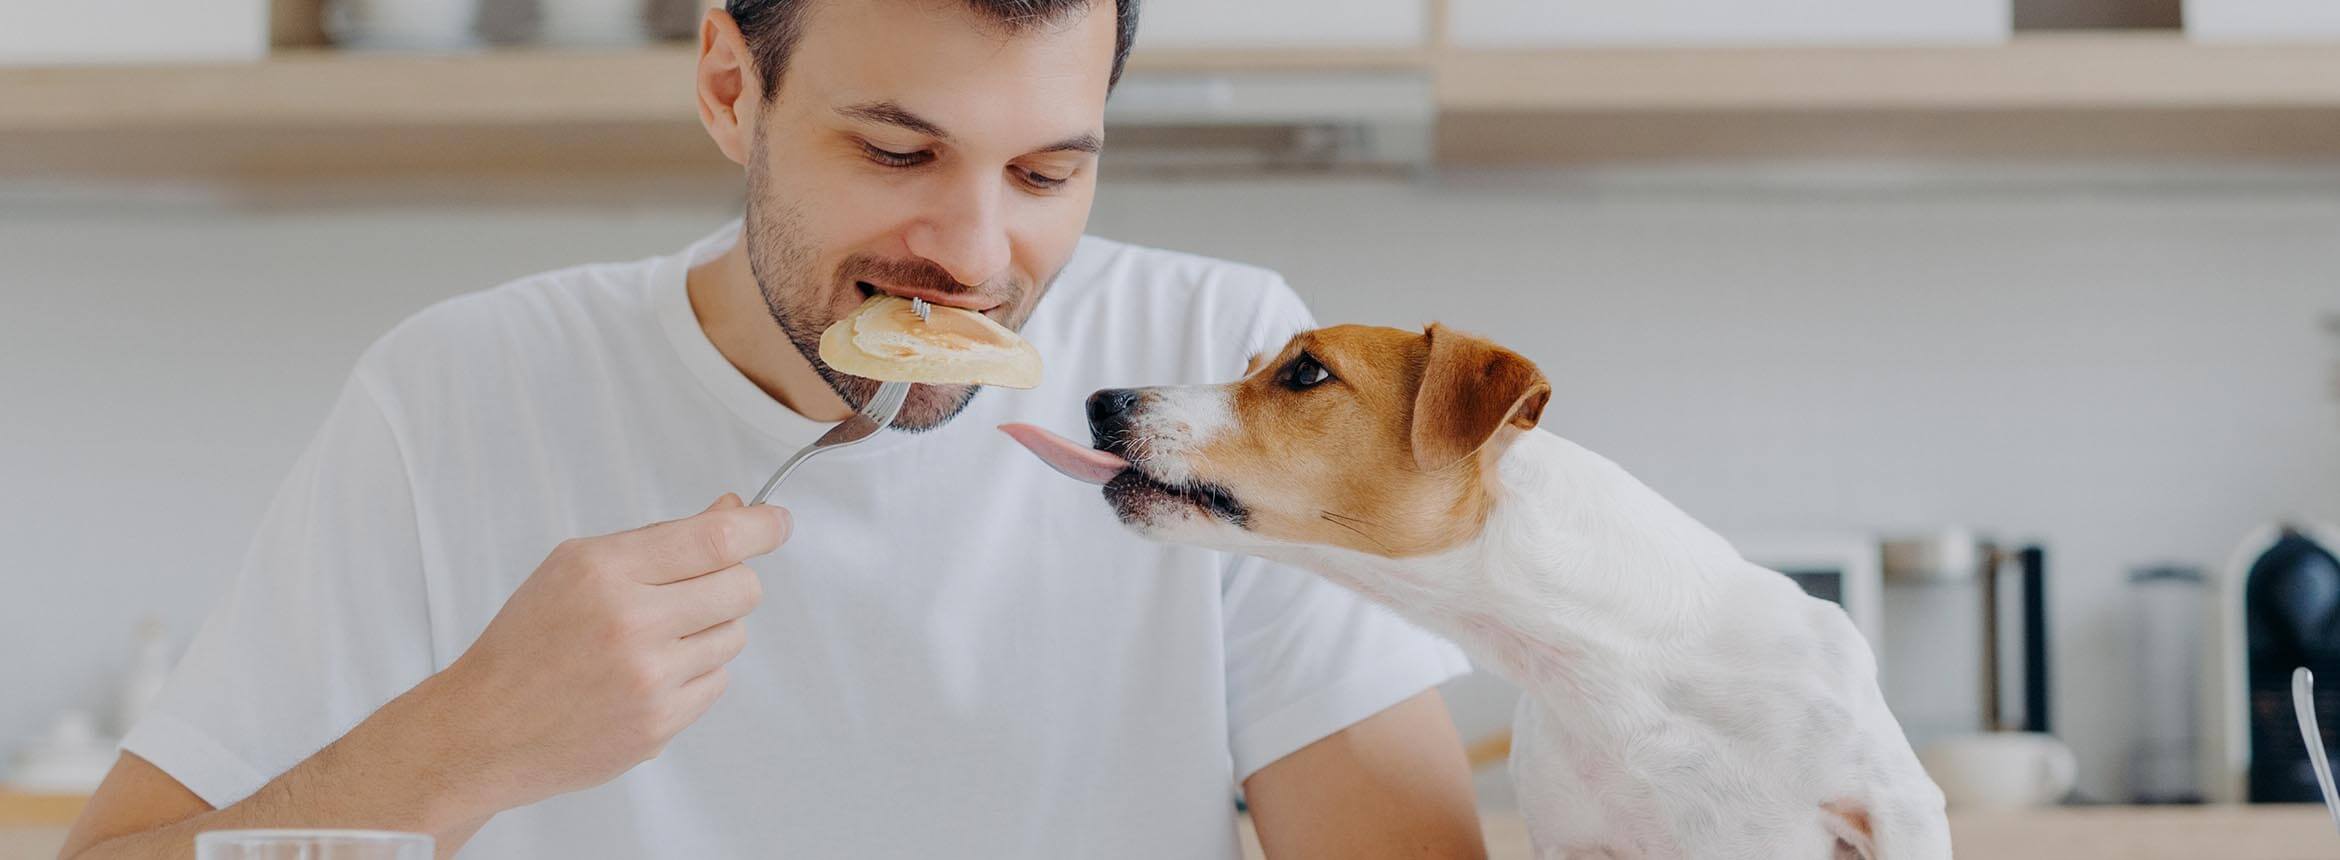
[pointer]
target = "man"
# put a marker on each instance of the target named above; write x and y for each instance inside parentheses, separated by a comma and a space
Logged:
(956, 652)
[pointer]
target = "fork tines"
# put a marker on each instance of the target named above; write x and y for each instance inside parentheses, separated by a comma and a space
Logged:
(888, 400)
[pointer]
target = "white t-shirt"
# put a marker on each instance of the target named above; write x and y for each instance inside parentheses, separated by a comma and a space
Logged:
(960, 653)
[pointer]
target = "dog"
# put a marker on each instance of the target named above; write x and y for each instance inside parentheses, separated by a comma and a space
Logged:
(1679, 701)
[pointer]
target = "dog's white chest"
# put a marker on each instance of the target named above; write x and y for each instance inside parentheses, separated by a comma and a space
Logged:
(1676, 792)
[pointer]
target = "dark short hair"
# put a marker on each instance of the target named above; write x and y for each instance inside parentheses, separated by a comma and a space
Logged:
(772, 27)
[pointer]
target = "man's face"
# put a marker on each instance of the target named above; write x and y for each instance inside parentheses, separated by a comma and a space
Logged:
(919, 148)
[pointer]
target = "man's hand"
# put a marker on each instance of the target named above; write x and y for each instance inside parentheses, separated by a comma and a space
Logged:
(608, 650)
(611, 647)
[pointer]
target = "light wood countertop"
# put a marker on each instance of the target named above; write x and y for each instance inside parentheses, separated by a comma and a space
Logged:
(2072, 833)
(2076, 833)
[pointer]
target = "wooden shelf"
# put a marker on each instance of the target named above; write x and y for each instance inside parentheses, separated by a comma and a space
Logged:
(1142, 61)
(315, 112)
(322, 88)
(327, 113)
(2143, 95)
(2060, 71)
(309, 111)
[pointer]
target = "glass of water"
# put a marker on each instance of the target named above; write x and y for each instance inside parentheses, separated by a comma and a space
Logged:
(312, 845)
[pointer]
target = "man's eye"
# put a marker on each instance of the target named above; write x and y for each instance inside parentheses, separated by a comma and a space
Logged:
(891, 158)
(1043, 181)
(1305, 373)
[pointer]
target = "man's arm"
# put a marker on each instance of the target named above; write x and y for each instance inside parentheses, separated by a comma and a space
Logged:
(140, 811)
(1395, 784)
(607, 650)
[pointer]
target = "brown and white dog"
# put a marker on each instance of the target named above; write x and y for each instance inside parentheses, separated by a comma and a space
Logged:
(1680, 702)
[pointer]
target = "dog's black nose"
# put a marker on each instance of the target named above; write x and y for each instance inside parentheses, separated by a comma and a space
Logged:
(1110, 404)
(1109, 414)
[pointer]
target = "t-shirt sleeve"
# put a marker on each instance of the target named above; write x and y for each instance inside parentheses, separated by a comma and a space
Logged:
(1306, 658)
(326, 620)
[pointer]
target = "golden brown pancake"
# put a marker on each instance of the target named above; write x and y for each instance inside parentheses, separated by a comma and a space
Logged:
(885, 340)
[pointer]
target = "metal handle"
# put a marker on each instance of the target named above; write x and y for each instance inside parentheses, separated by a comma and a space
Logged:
(785, 468)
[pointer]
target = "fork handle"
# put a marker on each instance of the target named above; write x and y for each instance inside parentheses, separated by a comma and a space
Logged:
(782, 474)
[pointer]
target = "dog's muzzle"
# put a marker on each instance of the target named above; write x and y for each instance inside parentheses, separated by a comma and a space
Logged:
(1112, 413)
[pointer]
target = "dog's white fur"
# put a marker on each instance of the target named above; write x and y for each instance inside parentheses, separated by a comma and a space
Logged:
(1178, 419)
(1680, 702)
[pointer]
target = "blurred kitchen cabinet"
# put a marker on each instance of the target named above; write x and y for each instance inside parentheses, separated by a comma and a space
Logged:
(1542, 23)
(2097, 15)
(132, 31)
(1189, 25)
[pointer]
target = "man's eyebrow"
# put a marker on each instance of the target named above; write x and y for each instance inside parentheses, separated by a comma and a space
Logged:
(1077, 143)
(889, 112)
(894, 114)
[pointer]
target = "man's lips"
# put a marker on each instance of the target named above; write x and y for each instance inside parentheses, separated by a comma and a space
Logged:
(1077, 461)
(976, 302)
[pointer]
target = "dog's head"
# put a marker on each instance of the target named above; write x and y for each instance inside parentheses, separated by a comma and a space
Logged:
(1377, 440)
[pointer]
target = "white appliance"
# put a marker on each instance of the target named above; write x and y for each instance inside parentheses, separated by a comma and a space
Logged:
(1373, 118)
(2262, 20)
(40, 32)
(1846, 569)
(1371, 109)
(72, 757)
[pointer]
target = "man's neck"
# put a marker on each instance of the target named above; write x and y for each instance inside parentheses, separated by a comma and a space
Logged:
(731, 310)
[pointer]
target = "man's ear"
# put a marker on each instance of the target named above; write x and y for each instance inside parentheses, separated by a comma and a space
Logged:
(1471, 389)
(729, 91)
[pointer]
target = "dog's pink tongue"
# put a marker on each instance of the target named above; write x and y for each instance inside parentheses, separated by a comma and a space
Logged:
(1077, 461)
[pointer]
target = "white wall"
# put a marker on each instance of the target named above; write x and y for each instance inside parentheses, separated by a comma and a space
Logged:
(2130, 373)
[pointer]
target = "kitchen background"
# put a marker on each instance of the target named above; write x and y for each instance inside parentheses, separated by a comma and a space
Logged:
(1872, 274)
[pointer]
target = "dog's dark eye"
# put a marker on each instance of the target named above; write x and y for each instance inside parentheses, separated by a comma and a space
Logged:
(1305, 373)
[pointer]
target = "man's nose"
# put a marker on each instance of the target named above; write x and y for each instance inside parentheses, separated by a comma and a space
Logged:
(1110, 412)
(964, 234)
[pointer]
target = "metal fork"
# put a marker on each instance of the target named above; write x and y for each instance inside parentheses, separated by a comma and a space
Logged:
(874, 416)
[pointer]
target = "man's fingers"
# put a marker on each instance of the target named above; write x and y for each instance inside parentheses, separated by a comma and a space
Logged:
(723, 535)
(709, 649)
(701, 602)
(696, 696)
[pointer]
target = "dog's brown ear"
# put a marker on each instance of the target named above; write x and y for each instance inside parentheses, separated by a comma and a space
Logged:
(1471, 389)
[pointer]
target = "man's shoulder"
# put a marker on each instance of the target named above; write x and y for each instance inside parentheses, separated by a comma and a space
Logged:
(1206, 293)
(1169, 315)
(540, 319)
(1128, 268)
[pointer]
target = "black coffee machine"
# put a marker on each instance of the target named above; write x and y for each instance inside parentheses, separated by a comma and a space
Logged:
(2291, 615)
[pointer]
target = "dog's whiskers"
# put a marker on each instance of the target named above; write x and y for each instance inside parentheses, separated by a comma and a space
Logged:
(1143, 443)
